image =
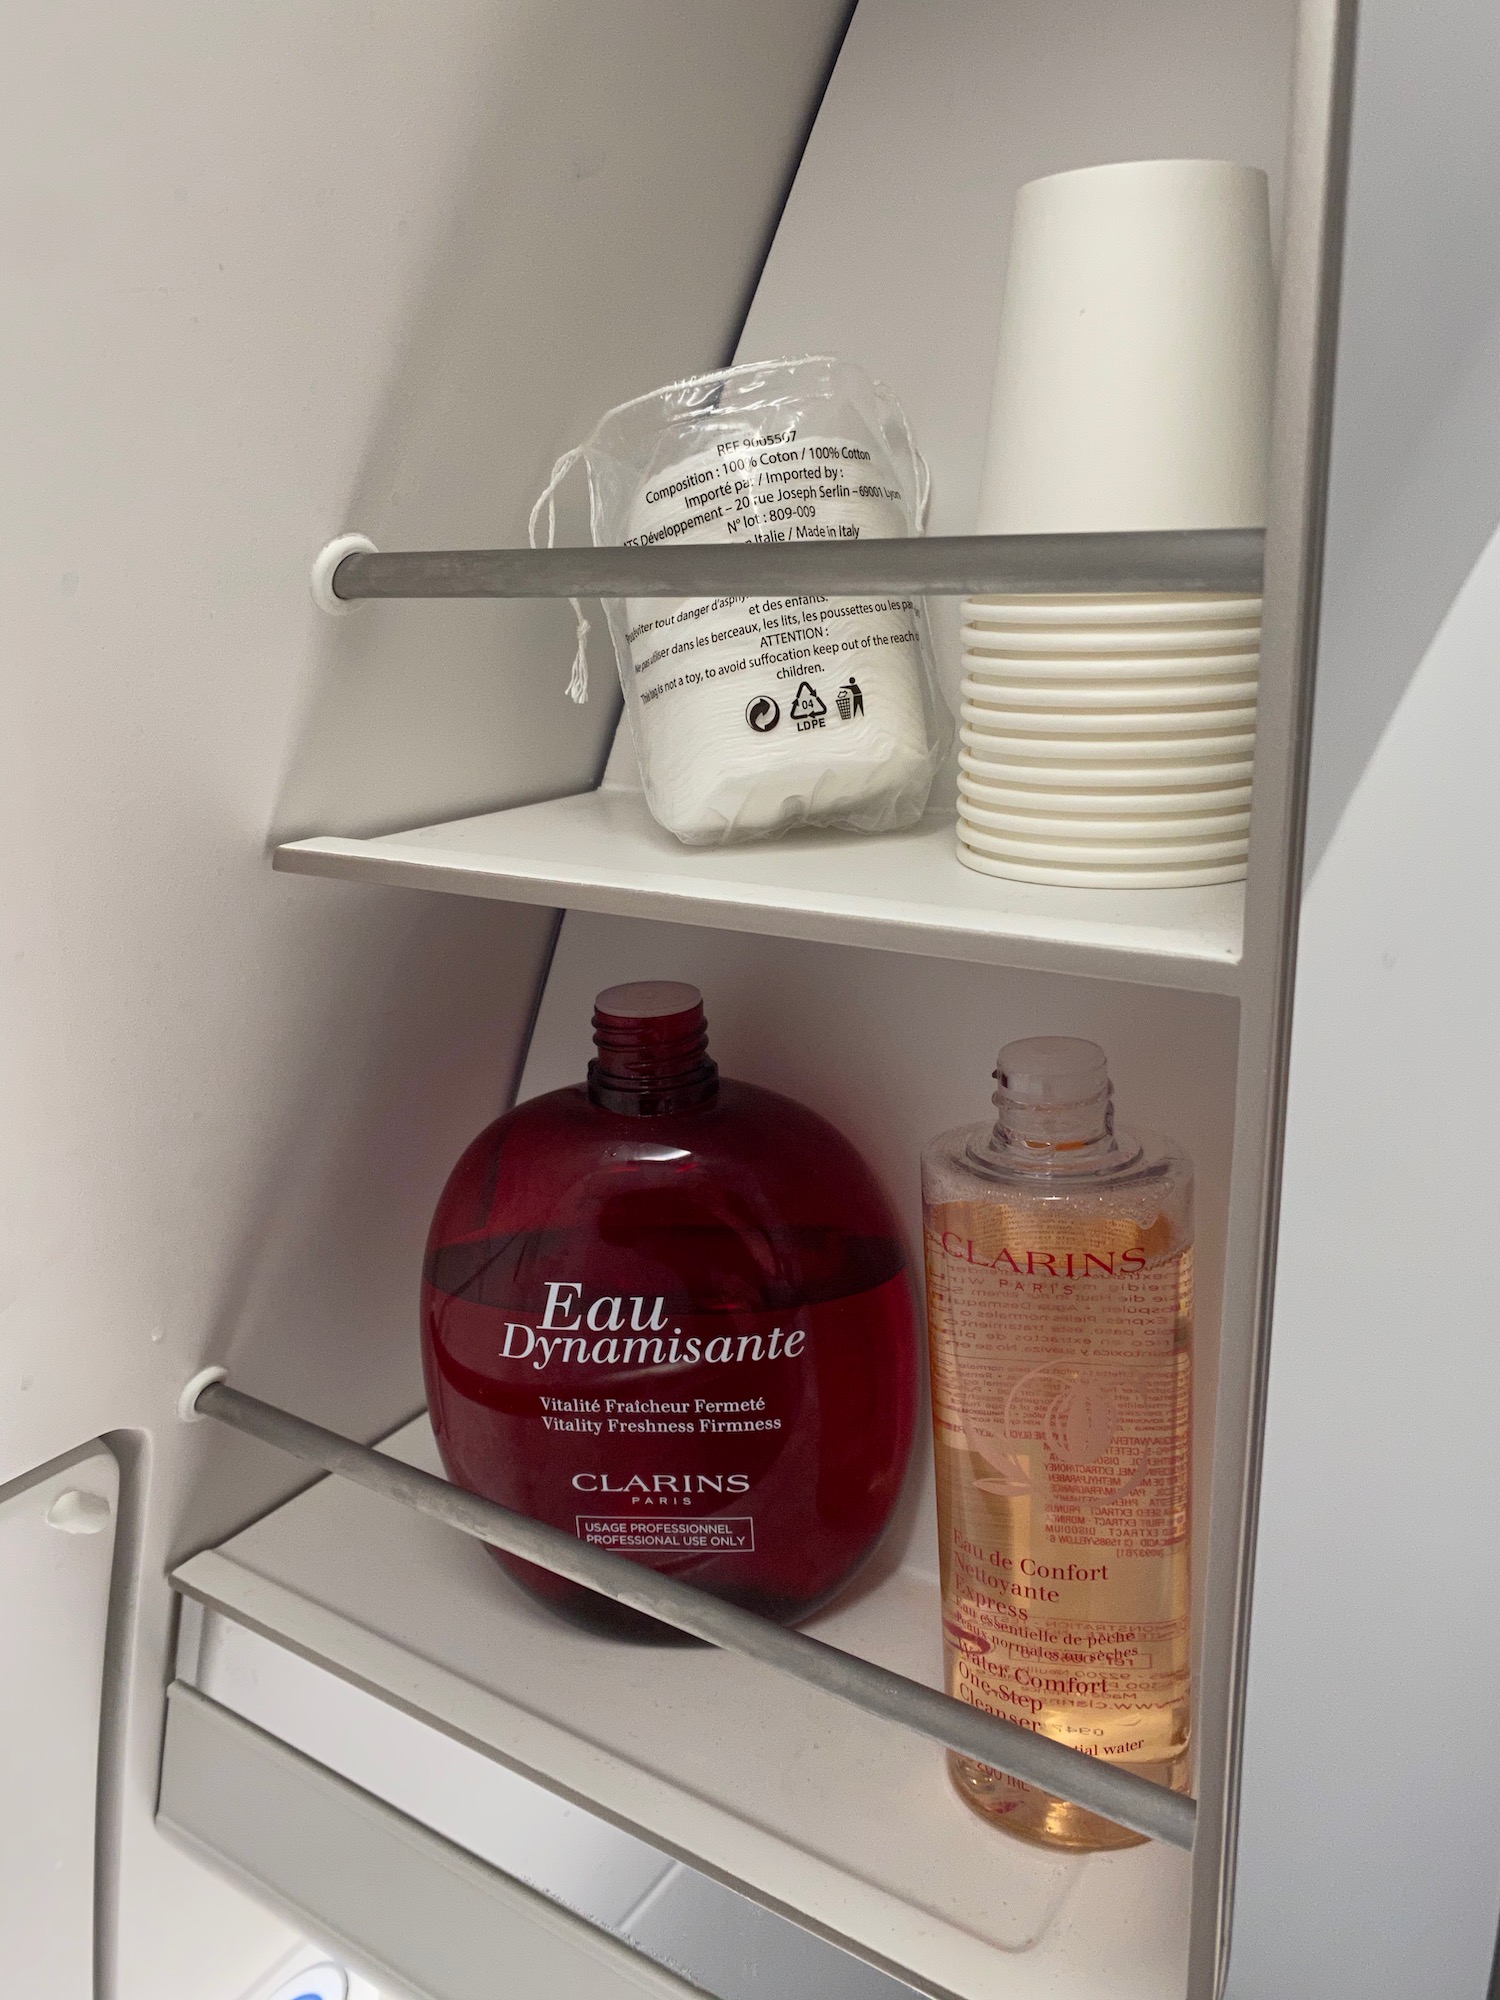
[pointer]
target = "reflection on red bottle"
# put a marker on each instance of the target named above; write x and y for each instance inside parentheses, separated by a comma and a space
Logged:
(671, 1315)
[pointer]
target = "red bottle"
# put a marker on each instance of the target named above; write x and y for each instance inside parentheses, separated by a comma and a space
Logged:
(672, 1315)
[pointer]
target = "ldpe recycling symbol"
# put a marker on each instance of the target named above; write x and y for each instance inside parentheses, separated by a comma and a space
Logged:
(808, 705)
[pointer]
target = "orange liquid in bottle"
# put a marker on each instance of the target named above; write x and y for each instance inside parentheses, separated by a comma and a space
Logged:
(1060, 1318)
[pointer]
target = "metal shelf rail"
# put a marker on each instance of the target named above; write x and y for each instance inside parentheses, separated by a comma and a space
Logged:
(1104, 1788)
(1208, 560)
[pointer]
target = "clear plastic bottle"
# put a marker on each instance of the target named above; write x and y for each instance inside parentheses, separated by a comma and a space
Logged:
(1060, 1310)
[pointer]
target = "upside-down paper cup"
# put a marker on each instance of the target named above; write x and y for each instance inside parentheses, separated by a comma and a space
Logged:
(1110, 775)
(1133, 375)
(1017, 747)
(1110, 641)
(1163, 854)
(1134, 830)
(997, 795)
(983, 664)
(988, 690)
(1070, 613)
(1190, 876)
(985, 713)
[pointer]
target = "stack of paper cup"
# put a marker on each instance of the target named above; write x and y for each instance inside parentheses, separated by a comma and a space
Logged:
(1109, 740)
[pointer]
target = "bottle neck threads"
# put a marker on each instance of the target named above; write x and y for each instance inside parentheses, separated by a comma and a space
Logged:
(1054, 1106)
(652, 1040)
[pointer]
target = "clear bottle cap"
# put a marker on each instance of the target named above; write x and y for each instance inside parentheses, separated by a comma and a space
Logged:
(1052, 1069)
(1054, 1094)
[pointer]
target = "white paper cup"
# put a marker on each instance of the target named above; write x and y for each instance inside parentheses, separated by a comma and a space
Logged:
(1046, 750)
(1042, 873)
(1087, 667)
(1161, 802)
(990, 795)
(1133, 378)
(1079, 613)
(1120, 775)
(1125, 726)
(1111, 640)
(1050, 754)
(1165, 829)
(1142, 697)
(1172, 854)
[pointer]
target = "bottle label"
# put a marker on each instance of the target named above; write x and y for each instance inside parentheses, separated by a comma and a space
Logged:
(640, 1535)
(741, 707)
(1061, 1414)
(719, 1445)
(770, 670)
(615, 1331)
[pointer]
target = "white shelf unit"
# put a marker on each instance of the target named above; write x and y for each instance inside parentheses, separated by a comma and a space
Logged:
(839, 1822)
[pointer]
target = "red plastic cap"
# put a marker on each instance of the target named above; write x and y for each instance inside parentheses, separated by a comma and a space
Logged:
(648, 1000)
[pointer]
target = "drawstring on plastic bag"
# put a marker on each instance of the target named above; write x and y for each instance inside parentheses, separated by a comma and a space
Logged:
(578, 679)
(924, 478)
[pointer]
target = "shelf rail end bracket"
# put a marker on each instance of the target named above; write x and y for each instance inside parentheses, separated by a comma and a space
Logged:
(326, 562)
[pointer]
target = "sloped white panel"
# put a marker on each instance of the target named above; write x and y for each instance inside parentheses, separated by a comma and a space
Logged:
(1369, 1848)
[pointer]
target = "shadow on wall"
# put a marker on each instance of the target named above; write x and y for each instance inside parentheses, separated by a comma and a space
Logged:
(612, 216)
(317, 1300)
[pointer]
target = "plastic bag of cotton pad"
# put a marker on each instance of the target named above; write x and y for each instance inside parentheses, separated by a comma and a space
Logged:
(752, 716)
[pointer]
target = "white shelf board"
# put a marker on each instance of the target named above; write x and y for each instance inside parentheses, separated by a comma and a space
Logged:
(601, 851)
(840, 1820)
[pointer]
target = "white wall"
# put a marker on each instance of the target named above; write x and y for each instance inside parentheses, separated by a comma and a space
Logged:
(273, 270)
